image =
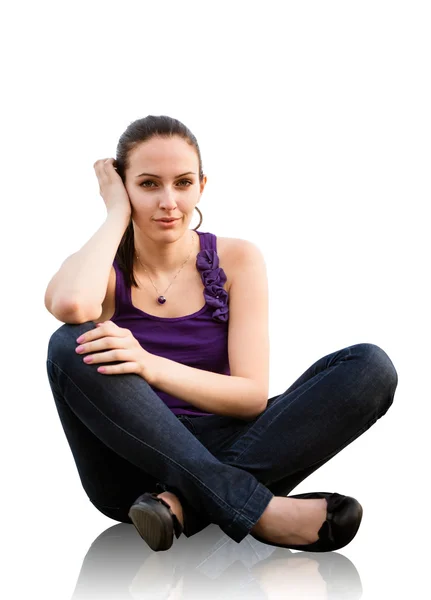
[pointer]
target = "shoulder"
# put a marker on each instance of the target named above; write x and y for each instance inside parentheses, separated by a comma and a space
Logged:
(248, 337)
(235, 252)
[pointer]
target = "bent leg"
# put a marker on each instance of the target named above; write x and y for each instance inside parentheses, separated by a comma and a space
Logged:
(127, 416)
(336, 400)
(110, 481)
(339, 398)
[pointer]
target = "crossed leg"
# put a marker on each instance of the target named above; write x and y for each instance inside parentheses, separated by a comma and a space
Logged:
(329, 406)
(333, 402)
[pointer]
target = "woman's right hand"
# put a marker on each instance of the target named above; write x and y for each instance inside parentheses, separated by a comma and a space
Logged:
(111, 186)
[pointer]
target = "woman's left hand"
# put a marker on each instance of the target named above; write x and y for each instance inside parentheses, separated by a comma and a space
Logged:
(111, 343)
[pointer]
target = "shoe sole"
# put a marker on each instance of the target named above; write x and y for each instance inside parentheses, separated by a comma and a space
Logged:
(358, 522)
(152, 526)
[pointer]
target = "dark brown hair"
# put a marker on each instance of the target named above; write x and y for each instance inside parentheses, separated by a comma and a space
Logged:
(137, 132)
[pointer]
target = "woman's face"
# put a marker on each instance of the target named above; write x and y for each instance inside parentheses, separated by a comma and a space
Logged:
(171, 187)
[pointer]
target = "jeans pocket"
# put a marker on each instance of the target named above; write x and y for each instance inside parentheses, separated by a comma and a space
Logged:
(217, 432)
(187, 422)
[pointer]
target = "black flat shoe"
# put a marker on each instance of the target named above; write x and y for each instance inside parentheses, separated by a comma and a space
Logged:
(155, 521)
(343, 517)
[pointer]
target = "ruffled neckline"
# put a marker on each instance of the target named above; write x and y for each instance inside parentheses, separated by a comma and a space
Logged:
(213, 278)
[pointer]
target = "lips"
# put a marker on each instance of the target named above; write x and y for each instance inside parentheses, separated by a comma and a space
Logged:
(166, 220)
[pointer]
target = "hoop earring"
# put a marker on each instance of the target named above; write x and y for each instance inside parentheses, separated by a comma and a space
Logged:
(200, 221)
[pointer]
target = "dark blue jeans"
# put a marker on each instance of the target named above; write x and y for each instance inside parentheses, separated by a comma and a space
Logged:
(125, 441)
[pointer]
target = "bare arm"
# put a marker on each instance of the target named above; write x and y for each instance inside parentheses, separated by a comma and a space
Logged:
(227, 395)
(244, 393)
(77, 290)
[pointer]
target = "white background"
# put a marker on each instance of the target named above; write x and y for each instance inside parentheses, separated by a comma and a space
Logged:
(313, 120)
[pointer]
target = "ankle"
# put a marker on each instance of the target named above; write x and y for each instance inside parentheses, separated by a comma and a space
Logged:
(291, 520)
(174, 504)
(268, 517)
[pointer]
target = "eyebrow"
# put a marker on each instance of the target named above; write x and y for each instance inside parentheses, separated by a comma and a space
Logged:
(158, 176)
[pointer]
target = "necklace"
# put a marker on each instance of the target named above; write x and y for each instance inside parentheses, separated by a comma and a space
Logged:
(161, 299)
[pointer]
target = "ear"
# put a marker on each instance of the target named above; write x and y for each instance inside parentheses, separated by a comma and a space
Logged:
(203, 184)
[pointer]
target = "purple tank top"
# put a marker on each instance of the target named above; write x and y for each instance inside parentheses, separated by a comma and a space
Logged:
(198, 340)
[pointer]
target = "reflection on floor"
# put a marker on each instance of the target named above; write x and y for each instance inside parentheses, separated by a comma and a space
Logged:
(120, 565)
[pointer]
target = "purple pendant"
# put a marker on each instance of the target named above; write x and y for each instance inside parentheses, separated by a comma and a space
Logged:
(161, 299)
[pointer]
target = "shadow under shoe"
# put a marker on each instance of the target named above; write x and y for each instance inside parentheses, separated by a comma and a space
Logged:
(343, 518)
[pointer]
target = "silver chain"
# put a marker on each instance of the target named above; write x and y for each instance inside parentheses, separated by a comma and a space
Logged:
(175, 275)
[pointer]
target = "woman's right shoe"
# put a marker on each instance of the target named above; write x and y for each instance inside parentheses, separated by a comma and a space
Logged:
(343, 517)
(155, 521)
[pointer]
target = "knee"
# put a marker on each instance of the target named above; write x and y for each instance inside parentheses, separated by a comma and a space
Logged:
(63, 340)
(378, 373)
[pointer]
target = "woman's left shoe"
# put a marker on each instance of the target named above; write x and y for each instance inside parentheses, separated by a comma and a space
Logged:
(155, 521)
(343, 518)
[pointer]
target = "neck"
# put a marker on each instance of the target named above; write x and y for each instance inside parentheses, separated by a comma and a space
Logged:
(163, 257)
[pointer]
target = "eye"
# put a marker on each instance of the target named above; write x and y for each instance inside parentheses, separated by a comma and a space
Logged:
(144, 182)
(181, 181)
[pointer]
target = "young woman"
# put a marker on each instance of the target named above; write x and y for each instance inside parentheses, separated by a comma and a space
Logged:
(160, 370)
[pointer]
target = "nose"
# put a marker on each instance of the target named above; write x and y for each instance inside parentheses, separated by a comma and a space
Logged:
(167, 200)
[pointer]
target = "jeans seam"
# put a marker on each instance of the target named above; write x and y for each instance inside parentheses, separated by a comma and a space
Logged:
(192, 476)
(242, 516)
